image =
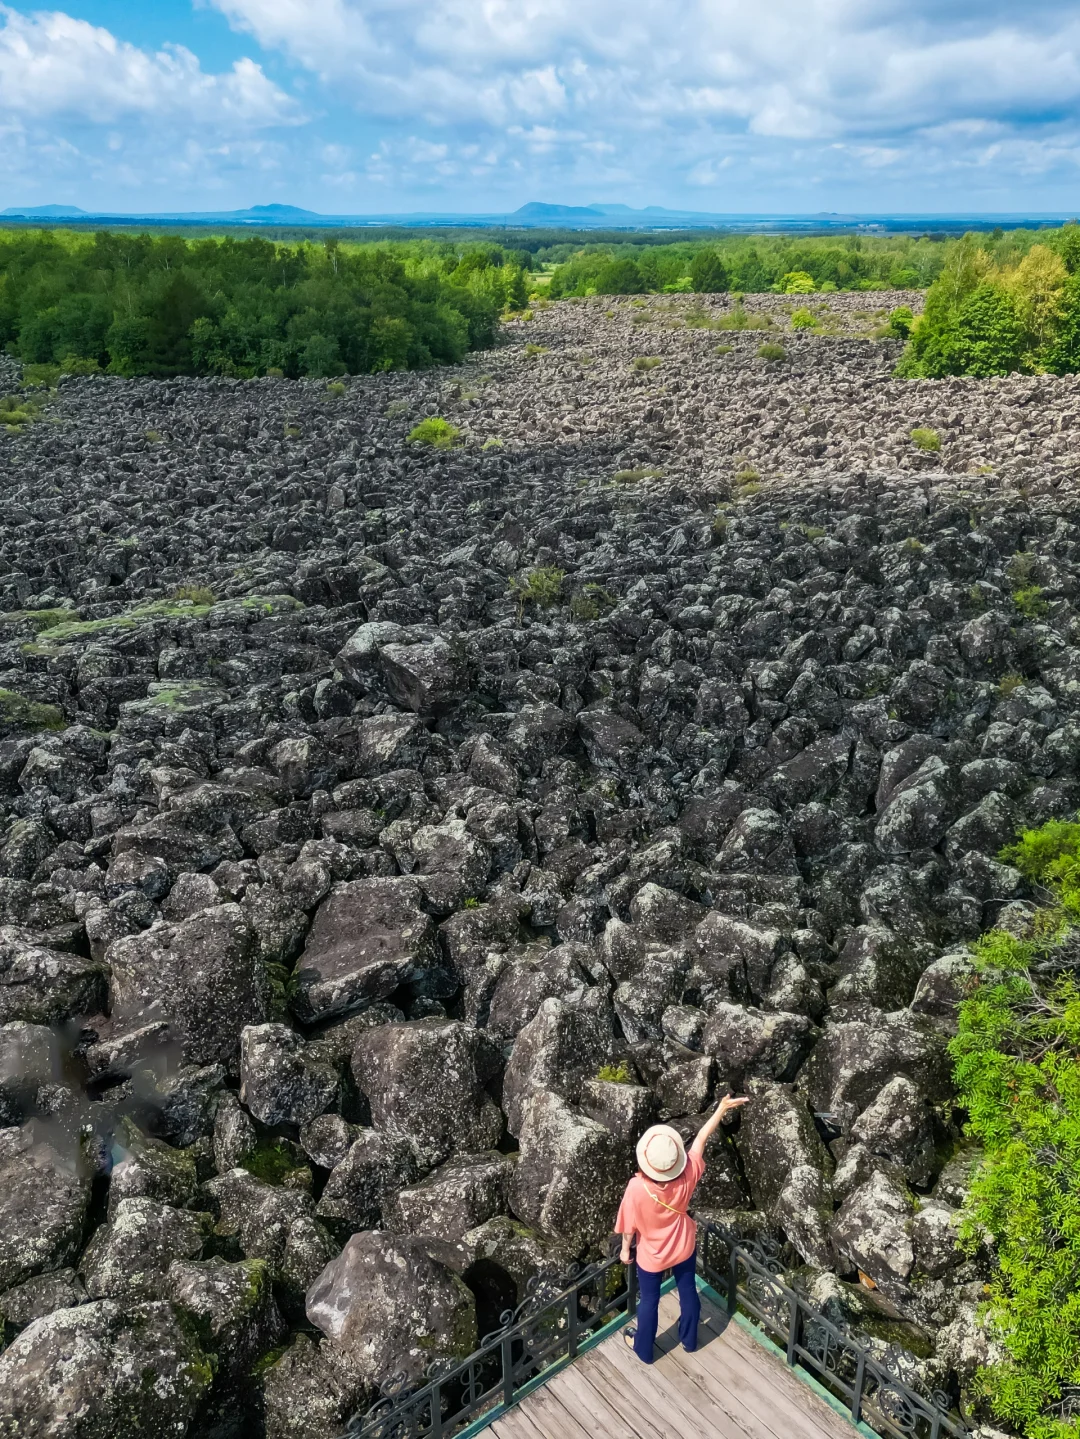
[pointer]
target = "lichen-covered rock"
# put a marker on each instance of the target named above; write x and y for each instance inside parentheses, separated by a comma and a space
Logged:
(147, 1167)
(44, 1194)
(311, 1391)
(571, 1172)
(872, 1229)
(561, 1047)
(392, 1307)
(232, 1305)
(788, 1168)
(369, 937)
(853, 1059)
(101, 1371)
(28, 1060)
(462, 1194)
(280, 1082)
(898, 1126)
(273, 1223)
(41, 985)
(424, 1081)
(749, 1043)
(41, 1295)
(365, 1179)
(203, 976)
(128, 1257)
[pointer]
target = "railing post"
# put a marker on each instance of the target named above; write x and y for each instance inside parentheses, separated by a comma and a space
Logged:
(856, 1393)
(793, 1328)
(436, 1411)
(732, 1280)
(507, 1350)
(572, 1323)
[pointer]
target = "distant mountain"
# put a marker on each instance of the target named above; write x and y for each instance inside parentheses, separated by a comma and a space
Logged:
(44, 212)
(536, 210)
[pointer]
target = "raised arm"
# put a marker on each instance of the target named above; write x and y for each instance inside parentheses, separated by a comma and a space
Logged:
(726, 1106)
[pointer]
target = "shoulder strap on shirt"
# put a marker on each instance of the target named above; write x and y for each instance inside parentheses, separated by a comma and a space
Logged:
(663, 1203)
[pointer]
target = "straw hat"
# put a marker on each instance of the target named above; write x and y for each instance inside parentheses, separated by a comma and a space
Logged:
(661, 1153)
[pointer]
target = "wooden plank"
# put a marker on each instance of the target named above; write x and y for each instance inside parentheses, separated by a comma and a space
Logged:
(543, 1416)
(764, 1396)
(663, 1383)
(617, 1414)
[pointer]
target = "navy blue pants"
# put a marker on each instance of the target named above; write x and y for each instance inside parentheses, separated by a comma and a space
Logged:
(649, 1306)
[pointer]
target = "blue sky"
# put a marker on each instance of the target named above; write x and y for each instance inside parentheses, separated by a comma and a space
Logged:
(368, 106)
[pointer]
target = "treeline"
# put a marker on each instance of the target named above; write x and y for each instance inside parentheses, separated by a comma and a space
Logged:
(1001, 307)
(747, 264)
(167, 305)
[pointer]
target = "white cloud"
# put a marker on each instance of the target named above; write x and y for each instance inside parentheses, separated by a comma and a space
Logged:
(52, 65)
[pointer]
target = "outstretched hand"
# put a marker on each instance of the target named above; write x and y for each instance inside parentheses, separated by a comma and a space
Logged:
(728, 1105)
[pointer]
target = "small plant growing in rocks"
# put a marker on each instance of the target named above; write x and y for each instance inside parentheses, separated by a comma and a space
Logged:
(492, 443)
(591, 602)
(723, 349)
(541, 587)
(16, 411)
(536, 349)
(1008, 685)
(337, 389)
(194, 594)
(1028, 599)
(720, 524)
(925, 440)
(912, 546)
(434, 431)
(615, 1073)
(396, 409)
(647, 362)
(633, 477)
(803, 319)
(772, 352)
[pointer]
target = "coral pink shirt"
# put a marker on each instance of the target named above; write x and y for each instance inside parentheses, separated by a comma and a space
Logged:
(666, 1234)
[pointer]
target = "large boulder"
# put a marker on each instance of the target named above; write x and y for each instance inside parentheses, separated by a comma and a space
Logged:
(44, 1194)
(463, 1193)
(561, 1047)
(281, 1082)
(571, 1173)
(897, 1125)
(101, 1371)
(274, 1223)
(788, 1168)
(144, 1167)
(423, 1081)
(734, 959)
(369, 937)
(311, 1391)
(233, 1305)
(28, 1059)
(371, 1171)
(853, 1059)
(128, 1257)
(203, 976)
(872, 1229)
(42, 985)
(751, 1043)
(392, 1307)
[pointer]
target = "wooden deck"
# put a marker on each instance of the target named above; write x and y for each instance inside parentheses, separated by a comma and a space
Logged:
(730, 1388)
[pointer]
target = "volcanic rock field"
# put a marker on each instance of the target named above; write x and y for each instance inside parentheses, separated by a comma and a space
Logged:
(391, 833)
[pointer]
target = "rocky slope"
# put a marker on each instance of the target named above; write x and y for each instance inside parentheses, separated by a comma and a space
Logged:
(391, 834)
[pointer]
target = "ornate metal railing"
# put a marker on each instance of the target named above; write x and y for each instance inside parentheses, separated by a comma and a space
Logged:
(745, 1273)
(550, 1326)
(556, 1320)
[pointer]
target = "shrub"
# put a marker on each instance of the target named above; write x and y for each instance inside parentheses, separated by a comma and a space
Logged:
(591, 602)
(647, 362)
(79, 365)
(1008, 685)
(337, 389)
(1029, 601)
(772, 352)
(803, 319)
(541, 587)
(492, 443)
(633, 477)
(619, 277)
(18, 410)
(747, 475)
(900, 322)
(708, 273)
(1016, 1066)
(926, 440)
(40, 376)
(797, 282)
(396, 409)
(439, 433)
(536, 349)
(723, 349)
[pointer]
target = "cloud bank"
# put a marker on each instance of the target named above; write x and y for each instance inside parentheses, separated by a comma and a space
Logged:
(371, 104)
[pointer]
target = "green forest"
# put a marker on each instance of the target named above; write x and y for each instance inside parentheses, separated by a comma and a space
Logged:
(167, 305)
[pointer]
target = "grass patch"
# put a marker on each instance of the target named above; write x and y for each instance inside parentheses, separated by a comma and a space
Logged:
(772, 352)
(590, 602)
(152, 437)
(647, 362)
(541, 587)
(492, 443)
(17, 411)
(396, 409)
(194, 594)
(337, 389)
(739, 318)
(723, 349)
(537, 349)
(615, 1073)
(21, 713)
(803, 319)
(926, 440)
(1008, 685)
(69, 631)
(633, 477)
(37, 620)
(438, 433)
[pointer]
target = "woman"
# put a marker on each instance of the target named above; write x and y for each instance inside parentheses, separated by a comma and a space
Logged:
(654, 1210)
